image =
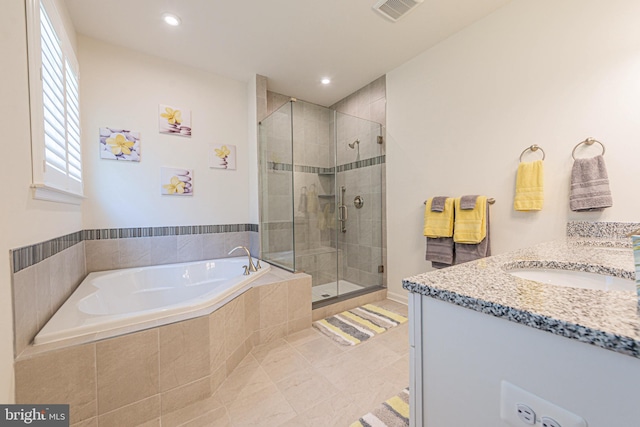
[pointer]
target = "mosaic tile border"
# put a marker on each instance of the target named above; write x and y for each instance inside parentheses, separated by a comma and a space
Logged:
(27, 256)
(327, 171)
(616, 230)
(363, 163)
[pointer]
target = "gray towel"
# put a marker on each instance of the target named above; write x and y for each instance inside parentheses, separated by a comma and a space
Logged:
(589, 185)
(437, 204)
(440, 251)
(466, 253)
(468, 202)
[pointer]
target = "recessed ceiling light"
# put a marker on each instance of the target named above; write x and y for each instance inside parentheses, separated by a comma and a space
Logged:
(171, 19)
(325, 81)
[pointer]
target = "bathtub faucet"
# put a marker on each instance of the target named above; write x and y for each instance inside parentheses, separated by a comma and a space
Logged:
(251, 266)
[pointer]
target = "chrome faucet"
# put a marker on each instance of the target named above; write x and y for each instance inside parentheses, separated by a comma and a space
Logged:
(251, 266)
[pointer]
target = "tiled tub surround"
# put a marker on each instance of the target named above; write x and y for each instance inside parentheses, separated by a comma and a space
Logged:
(608, 319)
(46, 274)
(141, 377)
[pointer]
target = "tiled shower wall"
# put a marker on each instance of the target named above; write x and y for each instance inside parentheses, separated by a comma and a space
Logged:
(46, 274)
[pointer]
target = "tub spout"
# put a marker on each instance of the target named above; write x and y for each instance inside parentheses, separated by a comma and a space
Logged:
(252, 267)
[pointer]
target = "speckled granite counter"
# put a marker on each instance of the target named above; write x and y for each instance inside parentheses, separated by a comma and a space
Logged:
(608, 319)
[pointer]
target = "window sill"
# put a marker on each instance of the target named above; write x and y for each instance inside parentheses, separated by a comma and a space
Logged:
(52, 194)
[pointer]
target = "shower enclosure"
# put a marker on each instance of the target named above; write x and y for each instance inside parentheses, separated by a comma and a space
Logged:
(321, 204)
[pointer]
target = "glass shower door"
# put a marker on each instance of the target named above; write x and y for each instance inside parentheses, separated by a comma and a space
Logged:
(276, 186)
(359, 173)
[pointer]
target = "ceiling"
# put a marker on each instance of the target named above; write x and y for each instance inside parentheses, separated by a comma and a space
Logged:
(294, 43)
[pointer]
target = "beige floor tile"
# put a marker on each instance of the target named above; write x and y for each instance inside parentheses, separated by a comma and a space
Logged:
(396, 339)
(394, 306)
(284, 361)
(320, 349)
(340, 410)
(302, 337)
(342, 369)
(303, 388)
(266, 407)
(260, 352)
(247, 378)
(370, 391)
(216, 418)
(374, 355)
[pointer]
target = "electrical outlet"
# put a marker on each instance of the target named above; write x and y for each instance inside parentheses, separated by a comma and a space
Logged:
(526, 414)
(513, 398)
(549, 422)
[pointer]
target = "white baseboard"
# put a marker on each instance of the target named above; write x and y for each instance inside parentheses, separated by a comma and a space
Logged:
(402, 298)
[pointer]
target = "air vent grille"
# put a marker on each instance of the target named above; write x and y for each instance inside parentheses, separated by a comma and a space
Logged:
(395, 9)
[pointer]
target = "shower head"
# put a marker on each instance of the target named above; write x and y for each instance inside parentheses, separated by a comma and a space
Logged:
(354, 143)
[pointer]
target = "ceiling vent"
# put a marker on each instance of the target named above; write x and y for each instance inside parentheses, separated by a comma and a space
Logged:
(395, 9)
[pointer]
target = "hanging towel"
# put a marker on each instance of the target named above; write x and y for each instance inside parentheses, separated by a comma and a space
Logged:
(589, 185)
(466, 253)
(468, 202)
(440, 251)
(323, 219)
(312, 200)
(302, 206)
(470, 224)
(437, 203)
(438, 224)
(529, 186)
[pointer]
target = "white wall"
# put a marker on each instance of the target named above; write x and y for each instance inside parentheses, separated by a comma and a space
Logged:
(459, 115)
(23, 221)
(121, 88)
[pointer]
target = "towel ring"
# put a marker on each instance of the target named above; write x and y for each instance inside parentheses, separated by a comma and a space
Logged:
(588, 141)
(534, 147)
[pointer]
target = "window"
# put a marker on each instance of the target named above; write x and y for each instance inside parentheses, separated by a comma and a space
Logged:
(55, 107)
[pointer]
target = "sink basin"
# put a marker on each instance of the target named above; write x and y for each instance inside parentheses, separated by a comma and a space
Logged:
(575, 279)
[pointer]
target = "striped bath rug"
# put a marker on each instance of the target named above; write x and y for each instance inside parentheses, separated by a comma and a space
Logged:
(355, 326)
(392, 413)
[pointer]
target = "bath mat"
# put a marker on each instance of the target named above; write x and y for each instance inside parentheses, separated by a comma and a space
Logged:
(355, 326)
(392, 413)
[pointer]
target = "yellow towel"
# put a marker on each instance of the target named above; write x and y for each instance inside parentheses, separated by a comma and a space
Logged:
(529, 187)
(471, 224)
(439, 224)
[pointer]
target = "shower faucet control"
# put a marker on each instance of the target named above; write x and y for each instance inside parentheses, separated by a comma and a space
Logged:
(251, 267)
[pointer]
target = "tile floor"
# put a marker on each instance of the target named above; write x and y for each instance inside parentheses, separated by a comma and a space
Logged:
(306, 379)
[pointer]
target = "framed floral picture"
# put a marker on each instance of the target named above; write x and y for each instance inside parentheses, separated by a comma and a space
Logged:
(176, 182)
(174, 120)
(119, 144)
(222, 156)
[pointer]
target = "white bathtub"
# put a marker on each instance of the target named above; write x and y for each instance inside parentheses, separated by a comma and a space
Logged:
(119, 301)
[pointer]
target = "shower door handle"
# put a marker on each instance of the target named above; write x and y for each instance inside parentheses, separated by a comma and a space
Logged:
(342, 217)
(342, 210)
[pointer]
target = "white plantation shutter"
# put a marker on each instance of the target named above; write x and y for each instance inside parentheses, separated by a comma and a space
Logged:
(55, 106)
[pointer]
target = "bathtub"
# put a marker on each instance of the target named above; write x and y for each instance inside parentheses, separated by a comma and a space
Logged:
(110, 303)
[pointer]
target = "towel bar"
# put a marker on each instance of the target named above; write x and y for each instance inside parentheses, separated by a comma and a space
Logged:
(534, 147)
(491, 201)
(588, 141)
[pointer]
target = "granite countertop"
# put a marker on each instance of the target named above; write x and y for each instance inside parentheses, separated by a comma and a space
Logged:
(608, 319)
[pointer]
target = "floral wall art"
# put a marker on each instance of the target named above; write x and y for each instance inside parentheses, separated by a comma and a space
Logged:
(176, 182)
(119, 144)
(174, 121)
(222, 156)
